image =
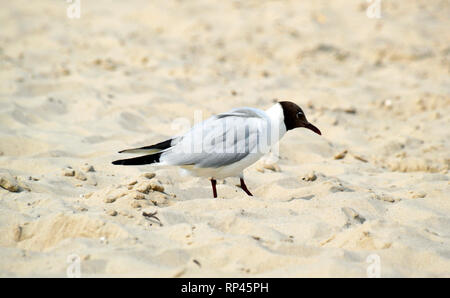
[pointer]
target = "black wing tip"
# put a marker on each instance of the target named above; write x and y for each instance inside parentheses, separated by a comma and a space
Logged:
(161, 146)
(124, 162)
(137, 161)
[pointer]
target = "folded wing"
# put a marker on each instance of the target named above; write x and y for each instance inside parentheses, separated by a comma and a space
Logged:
(221, 140)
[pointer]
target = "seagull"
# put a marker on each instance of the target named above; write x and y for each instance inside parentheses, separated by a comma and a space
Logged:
(225, 144)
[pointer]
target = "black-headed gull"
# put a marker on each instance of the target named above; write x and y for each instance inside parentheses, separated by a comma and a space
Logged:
(224, 145)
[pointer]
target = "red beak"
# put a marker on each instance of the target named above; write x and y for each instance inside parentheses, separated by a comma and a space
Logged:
(313, 128)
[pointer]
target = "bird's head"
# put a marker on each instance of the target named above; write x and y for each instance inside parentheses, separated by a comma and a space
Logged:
(294, 117)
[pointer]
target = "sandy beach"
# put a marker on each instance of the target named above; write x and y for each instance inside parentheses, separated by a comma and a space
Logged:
(368, 197)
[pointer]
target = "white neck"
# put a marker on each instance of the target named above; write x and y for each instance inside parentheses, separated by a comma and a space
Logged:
(276, 116)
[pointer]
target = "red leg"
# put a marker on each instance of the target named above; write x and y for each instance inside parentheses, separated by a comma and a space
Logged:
(213, 184)
(244, 187)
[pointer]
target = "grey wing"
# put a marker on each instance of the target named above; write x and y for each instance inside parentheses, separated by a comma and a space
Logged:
(244, 112)
(220, 140)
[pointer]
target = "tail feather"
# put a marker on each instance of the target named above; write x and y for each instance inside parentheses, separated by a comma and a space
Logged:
(150, 149)
(141, 160)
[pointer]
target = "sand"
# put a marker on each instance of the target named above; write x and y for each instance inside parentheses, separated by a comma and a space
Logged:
(370, 197)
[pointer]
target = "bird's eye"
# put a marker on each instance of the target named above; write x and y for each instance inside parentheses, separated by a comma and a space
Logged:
(299, 114)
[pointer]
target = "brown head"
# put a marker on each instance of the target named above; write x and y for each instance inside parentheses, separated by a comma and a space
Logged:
(294, 117)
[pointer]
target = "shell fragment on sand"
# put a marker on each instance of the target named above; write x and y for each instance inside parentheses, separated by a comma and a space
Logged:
(8, 182)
